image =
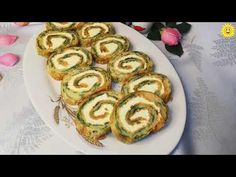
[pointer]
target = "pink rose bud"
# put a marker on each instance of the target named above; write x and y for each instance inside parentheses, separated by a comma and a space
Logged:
(8, 59)
(7, 39)
(170, 36)
(21, 23)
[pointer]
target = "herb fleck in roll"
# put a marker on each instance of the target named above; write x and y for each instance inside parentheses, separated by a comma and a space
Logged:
(137, 115)
(107, 47)
(64, 25)
(158, 84)
(66, 60)
(91, 31)
(94, 113)
(50, 41)
(128, 64)
(82, 83)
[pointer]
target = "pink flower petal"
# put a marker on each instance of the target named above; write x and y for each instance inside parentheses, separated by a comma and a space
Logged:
(21, 23)
(9, 59)
(7, 39)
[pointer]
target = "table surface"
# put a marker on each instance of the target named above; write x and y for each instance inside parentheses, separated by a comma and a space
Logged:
(207, 70)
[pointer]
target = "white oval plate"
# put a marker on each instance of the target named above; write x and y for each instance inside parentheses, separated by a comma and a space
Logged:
(40, 86)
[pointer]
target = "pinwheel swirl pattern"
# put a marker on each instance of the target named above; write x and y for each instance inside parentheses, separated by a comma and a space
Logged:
(158, 84)
(93, 116)
(107, 47)
(82, 83)
(90, 32)
(128, 64)
(52, 40)
(69, 59)
(137, 115)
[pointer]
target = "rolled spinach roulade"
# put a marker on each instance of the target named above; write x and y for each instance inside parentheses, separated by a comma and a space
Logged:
(137, 115)
(107, 47)
(92, 31)
(50, 41)
(64, 25)
(79, 84)
(158, 84)
(62, 62)
(128, 64)
(94, 113)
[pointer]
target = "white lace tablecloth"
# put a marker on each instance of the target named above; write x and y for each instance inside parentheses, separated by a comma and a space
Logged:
(207, 70)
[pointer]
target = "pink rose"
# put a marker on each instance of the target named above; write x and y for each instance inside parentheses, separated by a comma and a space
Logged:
(170, 36)
(21, 23)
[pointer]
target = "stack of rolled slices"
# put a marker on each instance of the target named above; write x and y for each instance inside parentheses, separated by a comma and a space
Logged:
(139, 109)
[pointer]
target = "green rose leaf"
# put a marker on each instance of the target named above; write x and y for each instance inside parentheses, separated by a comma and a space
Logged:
(183, 27)
(171, 24)
(158, 25)
(177, 49)
(154, 33)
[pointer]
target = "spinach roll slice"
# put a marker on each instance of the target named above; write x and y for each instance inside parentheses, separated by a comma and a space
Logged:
(50, 41)
(158, 84)
(107, 47)
(94, 113)
(137, 115)
(79, 84)
(92, 31)
(128, 64)
(66, 60)
(64, 25)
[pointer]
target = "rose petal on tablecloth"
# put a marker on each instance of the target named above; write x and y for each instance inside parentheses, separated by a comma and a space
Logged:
(21, 23)
(7, 39)
(9, 59)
